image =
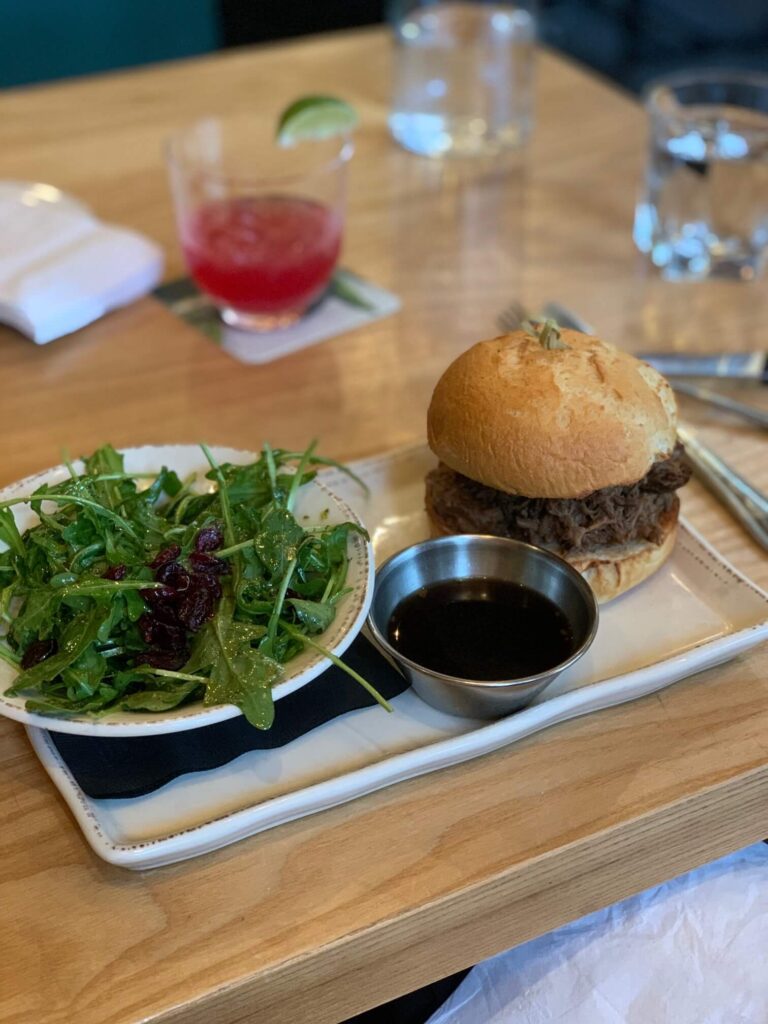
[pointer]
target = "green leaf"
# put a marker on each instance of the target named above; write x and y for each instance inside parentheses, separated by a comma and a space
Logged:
(81, 533)
(192, 507)
(105, 461)
(95, 587)
(37, 618)
(161, 699)
(86, 556)
(83, 677)
(238, 673)
(321, 460)
(257, 704)
(339, 664)
(49, 544)
(134, 605)
(246, 484)
(64, 498)
(76, 637)
(56, 705)
(8, 656)
(223, 496)
(317, 617)
(9, 532)
(279, 540)
(113, 620)
(166, 482)
(253, 598)
(299, 475)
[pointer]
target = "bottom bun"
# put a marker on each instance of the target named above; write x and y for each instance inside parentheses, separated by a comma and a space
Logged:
(612, 570)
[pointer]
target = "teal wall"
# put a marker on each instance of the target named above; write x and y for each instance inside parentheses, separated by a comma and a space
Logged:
(44, 39)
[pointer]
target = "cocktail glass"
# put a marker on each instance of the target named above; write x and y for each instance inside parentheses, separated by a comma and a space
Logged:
(260, 224)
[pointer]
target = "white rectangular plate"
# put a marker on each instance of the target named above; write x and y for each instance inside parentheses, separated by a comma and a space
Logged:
(697, 611)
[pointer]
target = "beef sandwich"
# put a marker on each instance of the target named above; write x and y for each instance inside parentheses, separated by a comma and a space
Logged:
(556, 438)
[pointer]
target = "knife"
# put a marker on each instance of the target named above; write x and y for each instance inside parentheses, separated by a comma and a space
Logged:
(745, 502)
(747, 412)
(731, 365)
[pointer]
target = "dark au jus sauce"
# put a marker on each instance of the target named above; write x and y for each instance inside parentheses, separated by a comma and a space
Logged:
(477, 628)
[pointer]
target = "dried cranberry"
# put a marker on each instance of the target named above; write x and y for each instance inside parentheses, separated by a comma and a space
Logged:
(155, 596)
(38, 651)
(166, 613)
(211, 584)
(170, 660)
(169, 554)
(173, 575)
(115, 572)
(146, 626)
(170, 636)
(185, 602)
(196, 608)
(201, 562)
(209, 538)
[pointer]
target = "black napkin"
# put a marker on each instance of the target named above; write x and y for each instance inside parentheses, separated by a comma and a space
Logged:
(111, 768)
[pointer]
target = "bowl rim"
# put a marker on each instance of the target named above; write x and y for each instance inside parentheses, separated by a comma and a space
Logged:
(482, 538)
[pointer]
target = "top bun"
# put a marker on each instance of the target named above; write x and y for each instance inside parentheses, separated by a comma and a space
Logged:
(551, 423)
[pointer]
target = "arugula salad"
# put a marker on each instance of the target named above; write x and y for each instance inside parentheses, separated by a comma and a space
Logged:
(143, 594)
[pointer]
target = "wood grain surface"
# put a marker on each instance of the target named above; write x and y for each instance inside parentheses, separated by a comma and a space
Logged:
(326, 916)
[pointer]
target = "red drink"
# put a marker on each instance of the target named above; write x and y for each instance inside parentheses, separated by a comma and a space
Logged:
(265, 254)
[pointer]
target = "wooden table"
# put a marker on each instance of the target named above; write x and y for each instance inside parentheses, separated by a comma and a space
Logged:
(324, 917)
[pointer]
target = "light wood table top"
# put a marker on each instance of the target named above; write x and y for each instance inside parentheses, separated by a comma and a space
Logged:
(321, 918)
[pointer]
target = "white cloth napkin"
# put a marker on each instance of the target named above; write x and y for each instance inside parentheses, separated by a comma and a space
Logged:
(691, 951)
(62, 268)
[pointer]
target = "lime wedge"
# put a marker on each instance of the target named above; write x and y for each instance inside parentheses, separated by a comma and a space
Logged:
(313, 118)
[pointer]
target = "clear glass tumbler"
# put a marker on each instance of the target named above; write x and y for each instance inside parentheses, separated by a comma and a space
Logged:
(260, 225)
(463, 75)
(704, 208)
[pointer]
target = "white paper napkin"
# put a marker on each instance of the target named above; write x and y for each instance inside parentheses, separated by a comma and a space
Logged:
(691, 951)
(62, 268)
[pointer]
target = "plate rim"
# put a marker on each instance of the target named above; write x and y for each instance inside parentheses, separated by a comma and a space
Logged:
(197, 719)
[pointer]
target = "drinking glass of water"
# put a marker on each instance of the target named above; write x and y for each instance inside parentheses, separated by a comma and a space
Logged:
(704, 209)
(463, 76)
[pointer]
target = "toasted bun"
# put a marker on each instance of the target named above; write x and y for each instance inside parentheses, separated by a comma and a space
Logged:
(551, 423)
(613, 569)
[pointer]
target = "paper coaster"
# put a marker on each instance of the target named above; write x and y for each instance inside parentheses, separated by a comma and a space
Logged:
(350, 302)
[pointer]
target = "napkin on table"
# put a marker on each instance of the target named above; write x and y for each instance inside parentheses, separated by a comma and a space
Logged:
(61, 268)
(689, 951)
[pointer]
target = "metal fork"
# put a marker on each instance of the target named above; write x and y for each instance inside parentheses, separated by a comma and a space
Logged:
(515, 314)
(745, 503)
(510, 318)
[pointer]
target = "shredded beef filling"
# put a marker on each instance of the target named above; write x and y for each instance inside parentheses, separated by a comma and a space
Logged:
(612, 515)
